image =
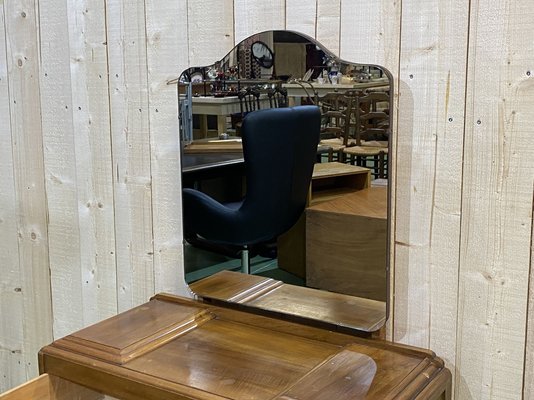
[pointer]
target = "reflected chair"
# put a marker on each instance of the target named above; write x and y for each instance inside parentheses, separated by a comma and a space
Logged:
(335, 109)
(249, 100)
(277, 97)
(279, 148)
(371, 132)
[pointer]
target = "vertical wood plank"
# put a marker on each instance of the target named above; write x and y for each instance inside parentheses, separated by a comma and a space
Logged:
(75, 115)
(11, 296)
(131, 151)
(528, 379)
(301, 16)
(328, 31)
(370, 33)
(94, 171)
(60, 169)
(210, 29)
(23, 81)
(166, 58)
(253, 16)
(429, 174)
(496, 202)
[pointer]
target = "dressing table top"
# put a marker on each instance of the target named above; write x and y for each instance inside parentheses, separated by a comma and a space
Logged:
(177, 348)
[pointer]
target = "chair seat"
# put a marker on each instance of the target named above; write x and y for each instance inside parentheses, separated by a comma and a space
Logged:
(334, 144)
(375, 143)
(364, 150)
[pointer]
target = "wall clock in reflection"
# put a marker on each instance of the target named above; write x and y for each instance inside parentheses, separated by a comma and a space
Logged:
(196, 77)
(263, 55)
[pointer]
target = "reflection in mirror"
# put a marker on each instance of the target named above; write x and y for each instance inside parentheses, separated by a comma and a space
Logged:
(340, 243)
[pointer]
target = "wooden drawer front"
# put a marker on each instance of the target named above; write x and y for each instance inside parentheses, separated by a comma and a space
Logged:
(48, 387)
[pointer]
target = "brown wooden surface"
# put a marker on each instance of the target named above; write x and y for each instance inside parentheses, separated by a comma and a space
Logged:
(288, 300)
(214, 145)
(48, 387)
(238, 355)
(36, 389)
(371, 202)
(329, 181)
(346, 241)
(123, 337)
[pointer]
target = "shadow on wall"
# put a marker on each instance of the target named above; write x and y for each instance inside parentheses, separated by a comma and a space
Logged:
(403, 217)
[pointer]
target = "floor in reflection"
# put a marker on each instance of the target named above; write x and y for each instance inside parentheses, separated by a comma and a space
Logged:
(200, 263)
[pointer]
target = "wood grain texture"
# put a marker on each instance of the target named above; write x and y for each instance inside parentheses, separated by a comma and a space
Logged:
(226, 357)
(78, 166)
(328, 24)
(427, 250)
(496, 203)
(211, 29)
(92, 149)
(346, 244)
(38, 389)
(301, 16)
(48, 387)
(253, 16)
(332, 310)
(11, 297)
(165, 59)
(28, 172)
(61, 180)
(130, 133)
(497, 155)
(528, 379)
(371, 33)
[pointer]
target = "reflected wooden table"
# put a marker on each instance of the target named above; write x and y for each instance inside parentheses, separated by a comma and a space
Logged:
(222, 107)
(218, 174)
(305, 89)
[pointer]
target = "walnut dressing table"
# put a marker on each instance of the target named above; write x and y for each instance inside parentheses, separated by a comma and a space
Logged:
(178, 348)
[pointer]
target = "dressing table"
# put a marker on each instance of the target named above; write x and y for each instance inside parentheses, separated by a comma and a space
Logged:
(243, 336)
(178, 348)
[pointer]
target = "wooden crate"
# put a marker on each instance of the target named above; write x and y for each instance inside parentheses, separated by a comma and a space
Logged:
(346, 244)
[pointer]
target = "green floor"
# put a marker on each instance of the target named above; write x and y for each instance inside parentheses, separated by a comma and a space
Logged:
(200, 263)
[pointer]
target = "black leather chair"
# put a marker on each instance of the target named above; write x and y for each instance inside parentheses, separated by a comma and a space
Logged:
(279, 148)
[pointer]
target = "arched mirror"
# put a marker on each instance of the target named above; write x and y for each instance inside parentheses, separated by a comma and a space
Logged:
(337, 252)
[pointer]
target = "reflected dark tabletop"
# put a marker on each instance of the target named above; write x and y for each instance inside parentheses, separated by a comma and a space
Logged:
(206, 161)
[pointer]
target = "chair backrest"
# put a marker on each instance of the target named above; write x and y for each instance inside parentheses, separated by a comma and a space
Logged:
(249, 100)
(334, 114)
(371, 122)
(279, 147)
(277, 97)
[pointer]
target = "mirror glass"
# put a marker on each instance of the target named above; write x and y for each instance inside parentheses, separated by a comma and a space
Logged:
(340, 244)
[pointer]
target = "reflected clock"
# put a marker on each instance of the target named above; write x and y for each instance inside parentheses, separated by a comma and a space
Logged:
(263, 55)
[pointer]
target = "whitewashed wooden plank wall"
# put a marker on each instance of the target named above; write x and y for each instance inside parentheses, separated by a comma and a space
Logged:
(496, 221)
(11, 296)
(429, 173)
(89, 168)
(31, 274)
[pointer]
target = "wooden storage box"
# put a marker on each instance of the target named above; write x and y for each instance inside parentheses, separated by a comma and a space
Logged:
(346, 244)
(329, 181)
